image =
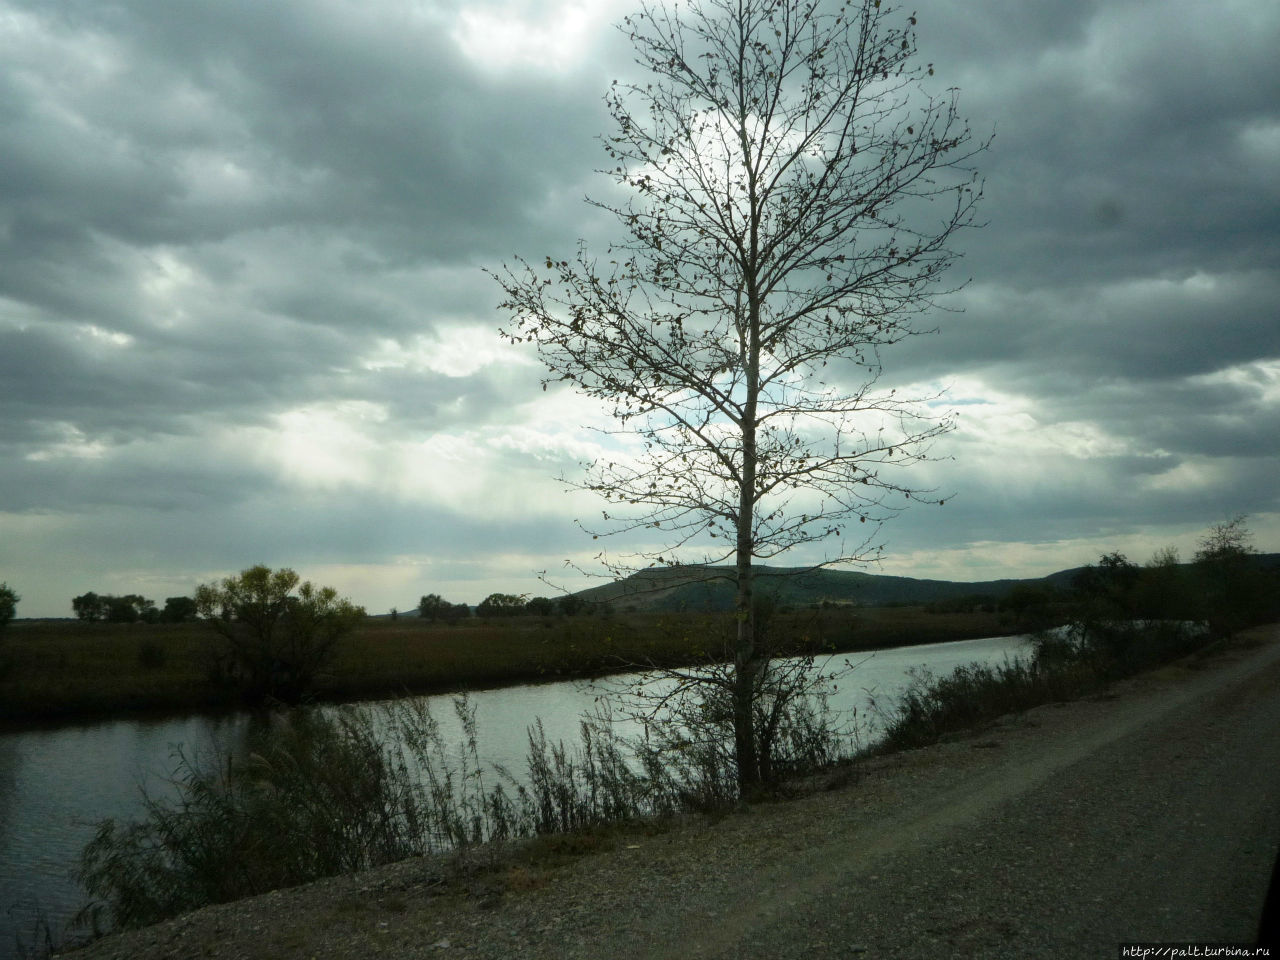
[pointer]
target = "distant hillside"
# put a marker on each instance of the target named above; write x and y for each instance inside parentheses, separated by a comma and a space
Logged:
(699, 588)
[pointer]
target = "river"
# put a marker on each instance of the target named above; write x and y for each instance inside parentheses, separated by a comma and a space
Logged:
(56, 784)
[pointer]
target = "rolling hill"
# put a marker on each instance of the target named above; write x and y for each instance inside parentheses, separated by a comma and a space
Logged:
(699, 588)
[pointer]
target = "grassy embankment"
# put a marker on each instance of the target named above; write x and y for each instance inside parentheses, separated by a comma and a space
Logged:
(65, 670)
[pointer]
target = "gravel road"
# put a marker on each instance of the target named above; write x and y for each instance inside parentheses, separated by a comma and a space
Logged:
(1150, 814)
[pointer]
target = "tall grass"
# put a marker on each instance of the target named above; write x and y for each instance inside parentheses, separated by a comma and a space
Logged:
(317, 796)
(326, 792)
(1067, 663)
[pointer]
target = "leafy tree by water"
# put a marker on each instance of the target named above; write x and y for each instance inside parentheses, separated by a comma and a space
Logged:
(1165, 589)
(129, 608)
(501, 605)
(8, 604)
(1108, 587)
(179, 610)
(275, 640)
(794, 194)
(1032, 605)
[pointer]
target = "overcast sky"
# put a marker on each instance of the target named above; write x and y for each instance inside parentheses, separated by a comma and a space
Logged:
(243, 317)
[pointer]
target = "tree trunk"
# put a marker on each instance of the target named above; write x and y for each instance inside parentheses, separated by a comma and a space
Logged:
(746, 665)
(746, 654)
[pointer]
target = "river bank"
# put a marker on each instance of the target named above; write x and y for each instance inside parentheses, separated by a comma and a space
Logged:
(1142, 814)
(55, 672)
(58, 784)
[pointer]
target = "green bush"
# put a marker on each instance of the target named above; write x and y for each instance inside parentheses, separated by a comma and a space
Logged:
(275, 642)
(8, 605)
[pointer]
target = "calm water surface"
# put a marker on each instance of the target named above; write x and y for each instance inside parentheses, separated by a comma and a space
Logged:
(56, 784)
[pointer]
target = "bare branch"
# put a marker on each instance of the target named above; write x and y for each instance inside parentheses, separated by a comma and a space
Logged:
(795, 195)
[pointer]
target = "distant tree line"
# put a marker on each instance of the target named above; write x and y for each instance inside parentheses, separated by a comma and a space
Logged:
(134, 608)
(434, 607)
(1027, 606)
(131, 608)
(1225, 586)
(273, 634)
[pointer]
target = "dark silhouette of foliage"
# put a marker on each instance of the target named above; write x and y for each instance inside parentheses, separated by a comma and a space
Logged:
(89, 607)
(540, 606)
(8, 604)
(1235, 587)
(179, 610)
(435, 607)
(501, 605)
(275, 641)
(1032, 606)
(570, 605)
(130, 608)
(1109, 587)
(1166, 589)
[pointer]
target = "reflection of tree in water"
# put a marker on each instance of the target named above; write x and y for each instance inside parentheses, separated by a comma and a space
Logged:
(162, 741)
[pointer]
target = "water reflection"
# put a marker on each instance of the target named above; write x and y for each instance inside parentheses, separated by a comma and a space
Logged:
(55, 785)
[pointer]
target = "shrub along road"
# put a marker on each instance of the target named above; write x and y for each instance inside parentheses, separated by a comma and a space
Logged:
(1150, 814)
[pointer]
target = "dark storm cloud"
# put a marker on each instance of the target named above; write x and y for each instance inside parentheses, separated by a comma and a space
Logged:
(1141, 327)
(285, 169)
(163, 384)
(1127, 281)
(342, 116)
(1123, 135)
(213, 214)
(260, 530)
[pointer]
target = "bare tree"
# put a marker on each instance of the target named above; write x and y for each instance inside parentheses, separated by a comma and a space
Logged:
(793, 194)
(1233, 585)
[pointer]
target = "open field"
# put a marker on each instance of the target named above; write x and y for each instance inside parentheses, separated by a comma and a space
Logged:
(64, 670)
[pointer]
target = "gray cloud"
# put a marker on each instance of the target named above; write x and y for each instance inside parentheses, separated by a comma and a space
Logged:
(232, 229)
